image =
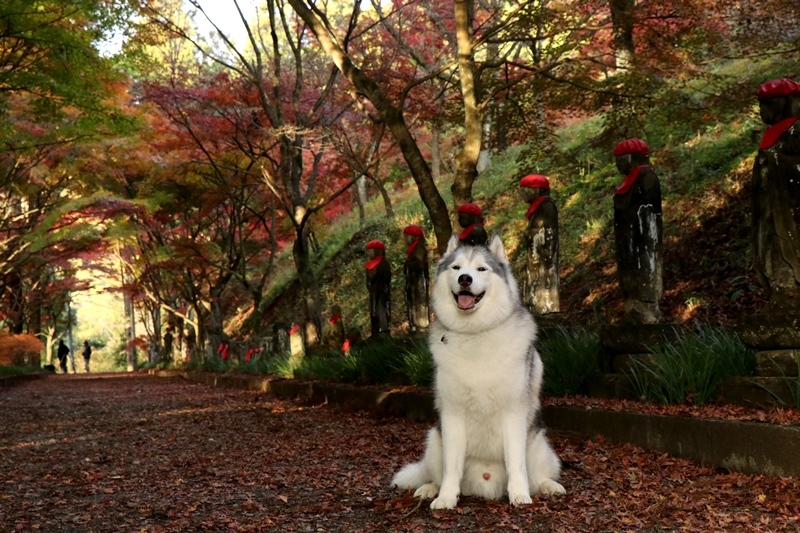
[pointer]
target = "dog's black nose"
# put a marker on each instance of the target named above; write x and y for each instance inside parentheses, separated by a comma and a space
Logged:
(464, 279)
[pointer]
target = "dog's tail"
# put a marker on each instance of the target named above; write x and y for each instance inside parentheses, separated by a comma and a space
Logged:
(412, 476)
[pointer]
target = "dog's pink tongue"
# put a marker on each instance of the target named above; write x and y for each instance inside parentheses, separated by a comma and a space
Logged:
(466, 300)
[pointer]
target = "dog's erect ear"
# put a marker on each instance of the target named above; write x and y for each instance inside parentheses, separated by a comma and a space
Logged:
(452, 244)
(497, 249)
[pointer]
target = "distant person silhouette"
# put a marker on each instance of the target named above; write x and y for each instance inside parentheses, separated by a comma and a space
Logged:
(87, 355)
(62, 353)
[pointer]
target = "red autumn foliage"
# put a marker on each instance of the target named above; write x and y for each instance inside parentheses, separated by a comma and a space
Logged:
(20, 350)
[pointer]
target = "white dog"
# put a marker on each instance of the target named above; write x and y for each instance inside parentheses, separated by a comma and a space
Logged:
(488, 377)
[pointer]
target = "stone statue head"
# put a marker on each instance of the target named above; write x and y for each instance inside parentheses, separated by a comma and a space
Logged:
(630, 154)
(533, 186)
(776, 100)
(469, 214)
(376, 248)
(412, 233)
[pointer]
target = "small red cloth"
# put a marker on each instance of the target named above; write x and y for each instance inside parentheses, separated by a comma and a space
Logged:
(774, 132)
(414, 230)
(334, 319)
(631, 146)
(535, 181)
(249, 354)
(470, 209)
(374, 262)
(467, 232)
(630, 179)
(346, 345)
(411, 247)
(778, 88)
(294, 329)
(534, 206)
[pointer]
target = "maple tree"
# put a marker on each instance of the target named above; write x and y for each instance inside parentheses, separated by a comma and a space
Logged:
(48, 112)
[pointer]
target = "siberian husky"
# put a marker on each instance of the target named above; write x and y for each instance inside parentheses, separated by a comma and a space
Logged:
(488, 377)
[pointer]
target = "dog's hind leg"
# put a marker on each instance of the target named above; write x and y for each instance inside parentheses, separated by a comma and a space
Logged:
(426, 475)
(544, 466)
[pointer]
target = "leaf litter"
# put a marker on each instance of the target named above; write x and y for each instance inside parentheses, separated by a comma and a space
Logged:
(136, 453)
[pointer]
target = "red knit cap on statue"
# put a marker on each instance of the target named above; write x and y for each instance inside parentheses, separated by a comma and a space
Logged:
(470, 209)
(778, 88)
(535, 181)
(631, 146)
(414, 230)
(375, 245)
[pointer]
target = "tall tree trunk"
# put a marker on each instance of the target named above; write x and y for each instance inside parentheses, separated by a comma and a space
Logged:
(17, 311)
(130, 314)
(436, 155)
(387, 201)
(392, 116)
(622, 16)
(361, 198)
(71, 344)
(467, 158)
(309, 288)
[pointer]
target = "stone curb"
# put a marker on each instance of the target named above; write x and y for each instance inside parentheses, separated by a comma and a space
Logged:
(746, 447)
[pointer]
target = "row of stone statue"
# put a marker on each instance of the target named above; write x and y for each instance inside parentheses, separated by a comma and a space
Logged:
(637, 225)
(637, 229)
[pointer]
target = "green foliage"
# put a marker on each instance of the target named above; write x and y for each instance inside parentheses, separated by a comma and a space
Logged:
(690, 370)
(14, 370)
(418, 365)
(571, 358)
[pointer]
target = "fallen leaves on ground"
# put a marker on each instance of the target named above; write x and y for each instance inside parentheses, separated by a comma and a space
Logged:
(779, 416)
(136, 453)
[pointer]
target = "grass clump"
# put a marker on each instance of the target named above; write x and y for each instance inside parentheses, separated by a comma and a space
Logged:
(571, 358)
(690, 370)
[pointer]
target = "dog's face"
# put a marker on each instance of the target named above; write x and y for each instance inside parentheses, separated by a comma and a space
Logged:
(473, 281)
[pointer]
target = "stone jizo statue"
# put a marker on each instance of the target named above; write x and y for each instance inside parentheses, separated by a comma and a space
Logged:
(776, 195)
(417, 278)
(335, 336)
(540, 284)
(638, 233)
(470, 217)
(379, 285)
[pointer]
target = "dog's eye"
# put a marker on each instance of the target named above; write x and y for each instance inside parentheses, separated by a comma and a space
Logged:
(456, 267)
(482, 269)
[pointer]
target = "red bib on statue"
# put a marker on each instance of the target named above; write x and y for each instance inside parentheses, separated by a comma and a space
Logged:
(372, 263)
(775, 131)
(534, 206)
(630, 179)
(467, 232)
(411, 248)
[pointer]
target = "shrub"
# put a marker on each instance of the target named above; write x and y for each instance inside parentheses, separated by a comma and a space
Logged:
(690, 370)
(571, 358)
(20, 350)
(418, 366)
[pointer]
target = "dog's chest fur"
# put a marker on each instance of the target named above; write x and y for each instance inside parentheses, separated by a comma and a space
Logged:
(484, 375)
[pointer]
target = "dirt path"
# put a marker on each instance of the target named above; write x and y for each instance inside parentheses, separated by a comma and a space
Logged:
(119, 453)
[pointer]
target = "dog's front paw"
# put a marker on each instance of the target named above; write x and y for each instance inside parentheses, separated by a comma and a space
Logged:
(548, 487)
(444, 502)
(427, 491)
(519, 498)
